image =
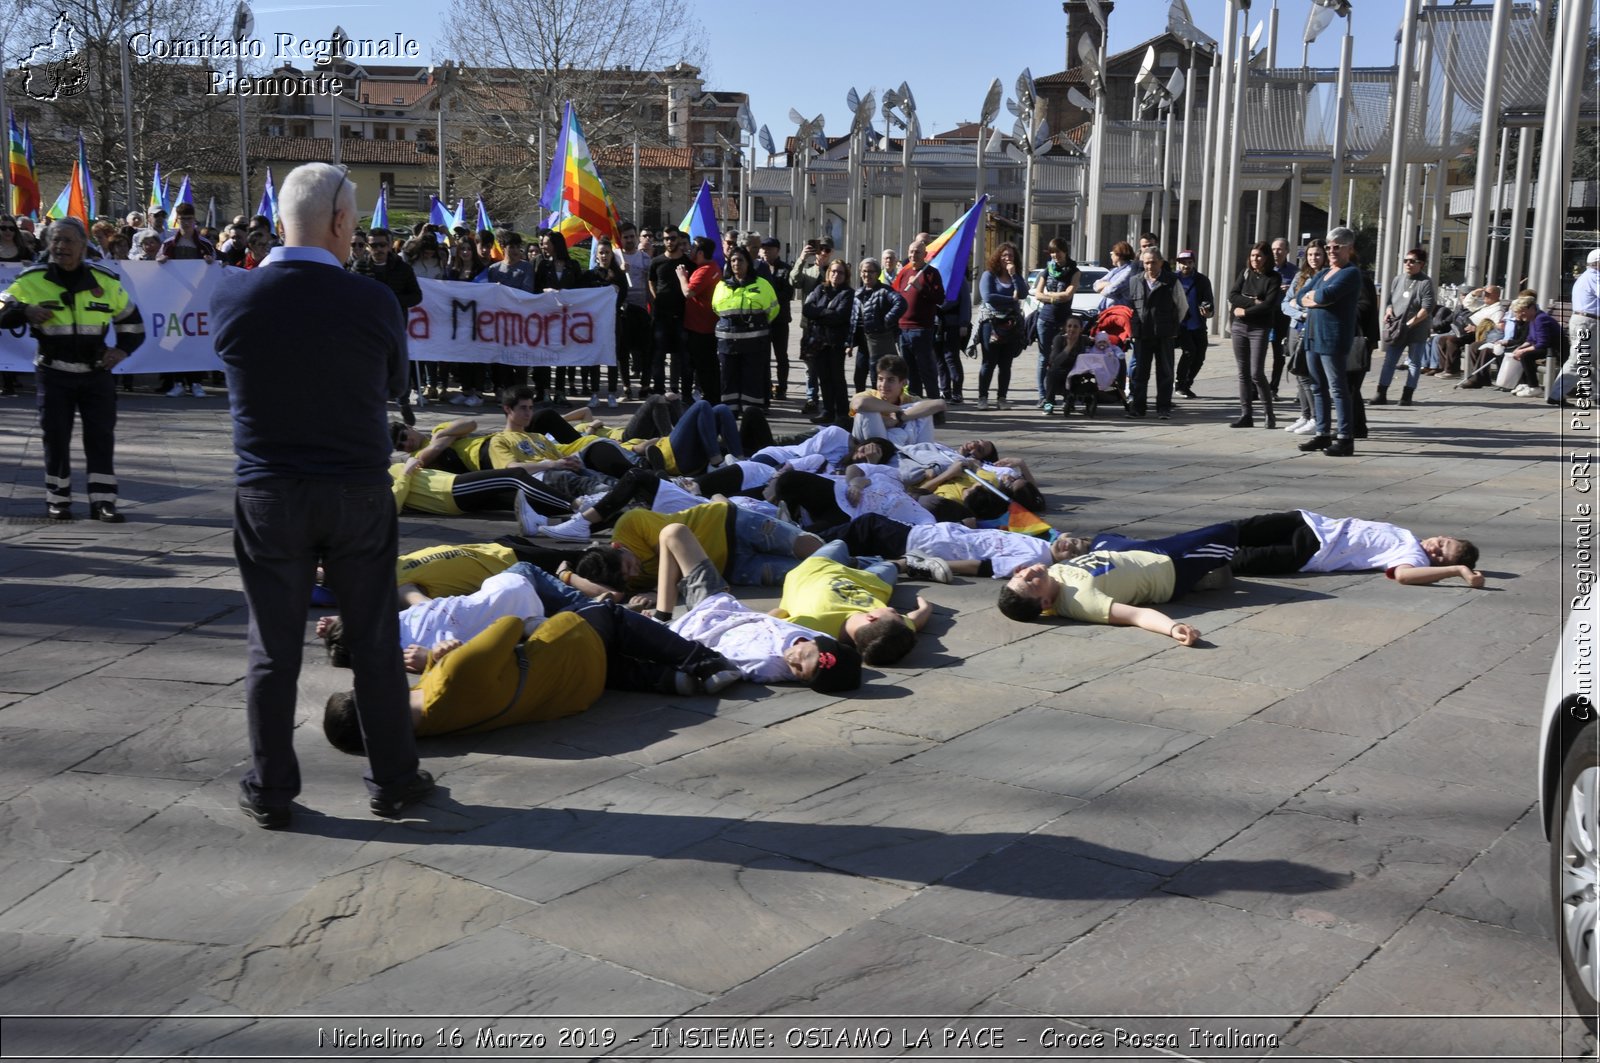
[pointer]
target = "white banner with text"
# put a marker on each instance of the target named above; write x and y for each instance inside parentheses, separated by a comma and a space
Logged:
(456, 321)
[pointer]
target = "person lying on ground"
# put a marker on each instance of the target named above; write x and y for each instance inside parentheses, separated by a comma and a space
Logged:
(939, 551)
(1281, 544)
(827, 593)
(764, 648)
(1117, 583)
(483, 684)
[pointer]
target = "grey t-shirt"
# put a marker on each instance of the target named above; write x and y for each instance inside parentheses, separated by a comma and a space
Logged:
(1410, 295)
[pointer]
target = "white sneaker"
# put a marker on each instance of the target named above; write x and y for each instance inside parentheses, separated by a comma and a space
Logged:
(574, 530)
(529, 518)
(1309, 428)
(588, 501)
(1296, 426)
(197, 391)
(611, 401)
(178, 391)
(473, 400)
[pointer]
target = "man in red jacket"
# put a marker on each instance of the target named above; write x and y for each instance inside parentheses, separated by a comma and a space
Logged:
(923, 290)
(698, 278)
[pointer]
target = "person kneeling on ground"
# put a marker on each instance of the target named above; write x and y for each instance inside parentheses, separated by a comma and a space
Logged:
(825, 593)
(1281, 544)
(1115, 582)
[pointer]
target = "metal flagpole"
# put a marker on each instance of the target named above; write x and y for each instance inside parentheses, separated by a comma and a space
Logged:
(1395, 183)
(1215, 242)
(1341, 121)
(1492, 265)
(1183, 163)
(1207, 151)
(1519, 206)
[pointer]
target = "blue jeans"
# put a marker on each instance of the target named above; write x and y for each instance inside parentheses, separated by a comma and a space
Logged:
(1330, 386)
(1391, 358)
(553, 594)
(916, 347)
(839, 551)
(762, 551)
(702, 431)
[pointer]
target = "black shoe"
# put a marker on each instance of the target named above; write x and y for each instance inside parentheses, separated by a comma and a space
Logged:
(267, 817)
(59, 510)
(1186, 393)
(1469, 384)
(106, 513)
(1244, 421)
(1340, 448)
(810, 406)
(822, 418)
(392, 804)
(1317, 443)
(1133, 413)
(1557, 402)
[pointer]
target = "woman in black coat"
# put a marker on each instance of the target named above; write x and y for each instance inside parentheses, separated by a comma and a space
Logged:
(827, 312)
(1254, 301)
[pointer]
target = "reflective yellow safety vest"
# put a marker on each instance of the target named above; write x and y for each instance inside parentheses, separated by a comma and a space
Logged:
(91, 301)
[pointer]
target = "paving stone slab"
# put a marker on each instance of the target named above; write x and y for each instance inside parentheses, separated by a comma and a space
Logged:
(343, 931)
(935, 705)
(1361, 880)
(1180, 810)
(105, 704)
(544, 853)
(186, 659)
(1051, 663)
(1207, 961)
(1052, 749)
(661, 734)
(874, 969)
(45, 665)
(777, 765)
(1510, 974)
(1202, 704)
(1464, 749)
(1505, 886)
(1454, 813)
(29, 754)
(1354, 701)
(197, 743)
(1025, 900)
(750, 911)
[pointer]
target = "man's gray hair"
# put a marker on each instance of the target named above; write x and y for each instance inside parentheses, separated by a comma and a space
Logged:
(73, 224)
(1342, 236)
(306, 198)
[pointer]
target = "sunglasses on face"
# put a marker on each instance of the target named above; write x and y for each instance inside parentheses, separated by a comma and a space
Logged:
(8, 228)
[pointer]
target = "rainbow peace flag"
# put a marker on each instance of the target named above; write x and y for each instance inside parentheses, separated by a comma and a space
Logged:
(77, 200)
(24, 181)
(574, 194)
(702, 221)
(158, 195)
(951, 250)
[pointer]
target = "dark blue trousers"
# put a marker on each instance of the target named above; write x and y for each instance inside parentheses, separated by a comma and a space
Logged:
(63, 398)
(282, 529)
(1193, 553)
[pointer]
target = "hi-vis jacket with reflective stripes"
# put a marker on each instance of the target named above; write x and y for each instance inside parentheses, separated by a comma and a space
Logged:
(91, 300)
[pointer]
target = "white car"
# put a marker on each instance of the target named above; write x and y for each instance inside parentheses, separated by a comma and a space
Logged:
(1085, 300)
(1569, 798)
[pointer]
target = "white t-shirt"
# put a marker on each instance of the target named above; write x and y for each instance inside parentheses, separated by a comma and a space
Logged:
(883, 494)
(1007, 551)
(464, 615)
(753, 641)
(1352, 545)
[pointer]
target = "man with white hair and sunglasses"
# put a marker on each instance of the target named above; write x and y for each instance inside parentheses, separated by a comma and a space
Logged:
(312, 488)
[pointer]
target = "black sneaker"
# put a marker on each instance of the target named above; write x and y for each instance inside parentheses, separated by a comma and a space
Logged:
(267, 817)
(1317, 443)
(105, 513)
(397, 801)
(1339, 448)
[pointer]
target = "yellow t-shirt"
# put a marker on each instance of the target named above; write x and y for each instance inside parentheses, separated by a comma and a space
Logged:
(639, 531)
(822, 594)
(424, 491)
(906, 398)
(956, 490)
(468, 451)
(508, 448)
(481, 686)
(445, 570)
(1091, 583)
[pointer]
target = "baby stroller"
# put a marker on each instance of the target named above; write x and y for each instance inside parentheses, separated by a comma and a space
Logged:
(1097, 374)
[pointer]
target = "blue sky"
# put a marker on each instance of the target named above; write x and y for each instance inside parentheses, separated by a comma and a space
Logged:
(808, 54)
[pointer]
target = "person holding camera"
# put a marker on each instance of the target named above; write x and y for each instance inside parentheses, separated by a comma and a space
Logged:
(1192, 333)
(806, 276)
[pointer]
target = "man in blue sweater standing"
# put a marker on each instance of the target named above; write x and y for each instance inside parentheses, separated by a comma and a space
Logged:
(304, 498)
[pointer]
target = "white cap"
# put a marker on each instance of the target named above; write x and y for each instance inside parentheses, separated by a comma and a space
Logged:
(1594, 256)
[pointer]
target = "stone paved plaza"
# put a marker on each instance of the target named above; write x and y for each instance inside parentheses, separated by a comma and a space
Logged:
(1320, 825)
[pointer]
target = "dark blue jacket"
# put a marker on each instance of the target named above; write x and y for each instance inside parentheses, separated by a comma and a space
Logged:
(289, 331)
